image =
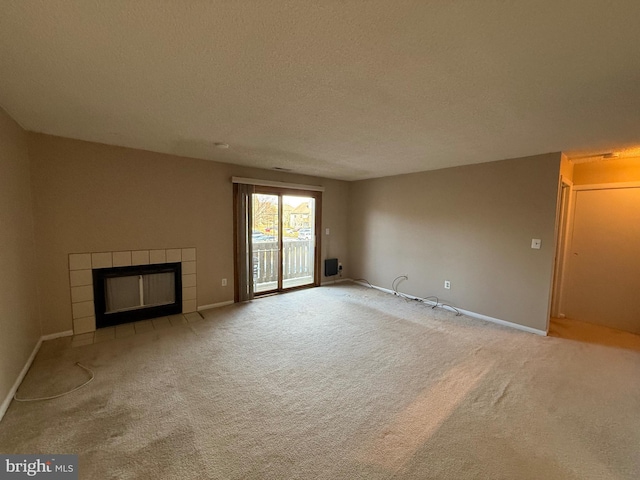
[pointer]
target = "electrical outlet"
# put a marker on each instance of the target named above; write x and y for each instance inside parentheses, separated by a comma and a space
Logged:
(339, 267)
(447, 284)
(224, 282)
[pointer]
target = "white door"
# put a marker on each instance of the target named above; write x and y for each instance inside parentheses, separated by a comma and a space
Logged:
(603, 284)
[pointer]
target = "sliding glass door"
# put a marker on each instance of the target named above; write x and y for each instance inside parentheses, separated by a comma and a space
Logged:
(298, 241)
(283, 239)
(265, 242)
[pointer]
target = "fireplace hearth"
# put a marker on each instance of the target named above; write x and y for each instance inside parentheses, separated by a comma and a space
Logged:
(129, 294)
(149, 287)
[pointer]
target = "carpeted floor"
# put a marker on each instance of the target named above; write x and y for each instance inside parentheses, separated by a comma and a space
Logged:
(339, 382)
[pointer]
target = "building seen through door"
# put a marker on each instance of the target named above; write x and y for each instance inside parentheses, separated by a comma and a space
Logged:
(283, 239)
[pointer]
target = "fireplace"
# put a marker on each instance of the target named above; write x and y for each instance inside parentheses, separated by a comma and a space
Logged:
(84, 294)
(129, 294)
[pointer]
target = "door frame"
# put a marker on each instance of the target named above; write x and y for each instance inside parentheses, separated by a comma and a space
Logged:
(317, 196)
(564, 239)
(566, 201)
(575, 190)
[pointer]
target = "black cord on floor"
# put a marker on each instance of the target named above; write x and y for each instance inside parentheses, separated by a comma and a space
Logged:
(425, 300)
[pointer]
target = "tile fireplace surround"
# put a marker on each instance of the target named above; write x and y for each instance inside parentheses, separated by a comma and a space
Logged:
(81, 278)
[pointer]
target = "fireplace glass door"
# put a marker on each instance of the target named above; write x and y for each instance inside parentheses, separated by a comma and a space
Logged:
(139, 291)
(129, 294)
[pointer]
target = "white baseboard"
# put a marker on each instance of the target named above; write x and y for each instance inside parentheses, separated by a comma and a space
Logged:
(51, 336)
(215, 305)
(27, 365)
(505, 323)
(7, 401)
(339, 280)
(468, 313)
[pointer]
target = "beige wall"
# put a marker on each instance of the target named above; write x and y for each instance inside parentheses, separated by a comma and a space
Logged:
(607, 171)
(19, 323)
(471, 225)
(94, 197)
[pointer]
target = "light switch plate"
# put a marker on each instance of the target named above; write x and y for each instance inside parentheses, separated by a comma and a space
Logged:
(536, 243)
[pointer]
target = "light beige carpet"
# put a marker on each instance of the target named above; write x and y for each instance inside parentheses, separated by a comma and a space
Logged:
(339, 382)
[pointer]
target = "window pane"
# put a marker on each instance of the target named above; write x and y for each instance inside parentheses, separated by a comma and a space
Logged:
(299, 239)
(264, 242)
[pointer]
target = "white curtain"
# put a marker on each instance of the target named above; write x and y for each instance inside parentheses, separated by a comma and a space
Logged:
(244, 254)
(122, 293)
(159, 288)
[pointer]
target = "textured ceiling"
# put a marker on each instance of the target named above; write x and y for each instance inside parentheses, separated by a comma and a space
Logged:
(348, 90)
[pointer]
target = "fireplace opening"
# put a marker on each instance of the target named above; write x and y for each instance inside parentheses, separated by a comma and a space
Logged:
(129, 294)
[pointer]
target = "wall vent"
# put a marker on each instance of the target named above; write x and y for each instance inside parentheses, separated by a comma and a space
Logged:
(330, 267)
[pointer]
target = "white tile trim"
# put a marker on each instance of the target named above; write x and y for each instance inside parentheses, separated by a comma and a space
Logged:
(187, 254)
(121, 259)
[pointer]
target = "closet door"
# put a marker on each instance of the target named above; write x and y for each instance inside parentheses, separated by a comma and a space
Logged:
(604, 266)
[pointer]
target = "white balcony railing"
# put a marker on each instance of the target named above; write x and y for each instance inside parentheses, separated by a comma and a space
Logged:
(298, 262)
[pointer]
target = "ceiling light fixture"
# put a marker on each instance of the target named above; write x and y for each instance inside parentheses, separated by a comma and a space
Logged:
(223, 146)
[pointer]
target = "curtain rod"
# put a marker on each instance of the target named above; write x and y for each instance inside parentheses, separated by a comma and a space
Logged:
(270, 183)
